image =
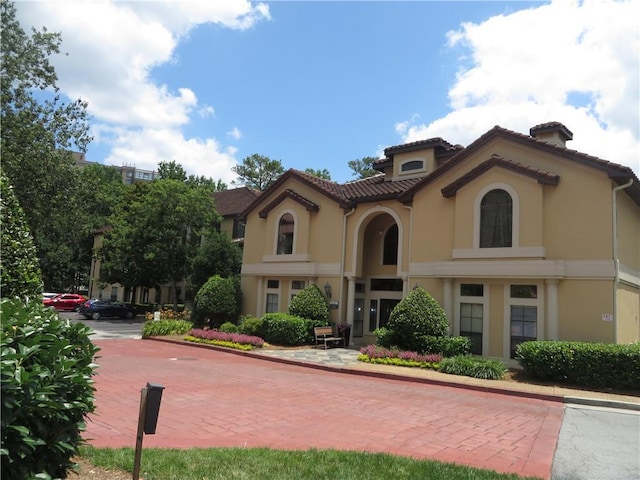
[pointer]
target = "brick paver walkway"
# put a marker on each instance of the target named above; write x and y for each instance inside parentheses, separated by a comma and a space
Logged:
(219, 399)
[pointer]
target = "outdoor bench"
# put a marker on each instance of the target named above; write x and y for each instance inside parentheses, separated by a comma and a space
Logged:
(325, 335)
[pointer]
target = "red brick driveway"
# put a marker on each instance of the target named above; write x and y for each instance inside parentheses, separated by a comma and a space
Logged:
(219, 399)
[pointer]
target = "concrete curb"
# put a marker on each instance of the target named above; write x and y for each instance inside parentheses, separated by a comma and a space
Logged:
(597, 402)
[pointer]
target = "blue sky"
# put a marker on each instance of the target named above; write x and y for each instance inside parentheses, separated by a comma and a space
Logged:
(316, 84)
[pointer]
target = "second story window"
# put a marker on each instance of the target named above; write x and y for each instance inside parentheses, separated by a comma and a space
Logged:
(285, 235)
(496, 219)
(390, 246)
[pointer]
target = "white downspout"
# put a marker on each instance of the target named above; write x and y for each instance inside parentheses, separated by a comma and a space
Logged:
(342, 260)
(616, 260)
(410, 207)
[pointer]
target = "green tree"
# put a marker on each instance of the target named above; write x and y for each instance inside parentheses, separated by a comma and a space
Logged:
(310, 304)
(156, 233)
(217, 302)
(417, 315)
(363, 167)
(324, 173)
(37, 138)
(258, 171)
(217, 255)
(100, 190)
(20, 275)
(172, 171)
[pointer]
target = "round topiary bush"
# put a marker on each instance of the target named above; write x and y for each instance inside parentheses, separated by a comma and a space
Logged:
(310, 304)
(217, 302)
(416, 315)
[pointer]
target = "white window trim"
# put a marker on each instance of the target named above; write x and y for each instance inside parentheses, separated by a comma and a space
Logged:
(515, 219)
(413, 170)
(276, 291)
(277, 231)
(484, 300)
(508, 301)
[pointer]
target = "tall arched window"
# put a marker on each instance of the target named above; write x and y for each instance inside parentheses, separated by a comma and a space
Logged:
(496, 219)
(390, 246)
(285, 235)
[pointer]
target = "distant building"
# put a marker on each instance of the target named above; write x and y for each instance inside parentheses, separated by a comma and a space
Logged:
(129, 173)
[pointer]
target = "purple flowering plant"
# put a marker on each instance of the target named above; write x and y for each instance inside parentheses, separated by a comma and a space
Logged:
(234, 338)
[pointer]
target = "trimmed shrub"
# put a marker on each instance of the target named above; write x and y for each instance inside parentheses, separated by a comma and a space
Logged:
(228, 327)
(20, 273)
(310, 304)
(416, 315)
(469, 366)
(218, 301)
(47, 390)
(446, 346)
(161, 328)
(284, 329)
(251, 326)
(584, 364)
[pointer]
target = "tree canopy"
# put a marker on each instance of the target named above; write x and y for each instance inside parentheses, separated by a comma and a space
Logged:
(37, 139)
(324, 173)
(155, 232)
(363, 167)
(257, 171)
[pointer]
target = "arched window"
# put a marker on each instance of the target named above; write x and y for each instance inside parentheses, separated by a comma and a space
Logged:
(285, 235)
(496, 219)
(390, 246)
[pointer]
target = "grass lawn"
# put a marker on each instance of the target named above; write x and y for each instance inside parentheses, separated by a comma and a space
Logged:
(268, 464)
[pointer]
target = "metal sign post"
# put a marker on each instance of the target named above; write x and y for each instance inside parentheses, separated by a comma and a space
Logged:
(150, 397)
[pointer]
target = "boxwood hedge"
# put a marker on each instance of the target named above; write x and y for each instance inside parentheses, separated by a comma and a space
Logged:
(582, 363)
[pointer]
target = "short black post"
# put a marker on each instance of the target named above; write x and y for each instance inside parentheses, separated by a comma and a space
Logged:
(150, 397)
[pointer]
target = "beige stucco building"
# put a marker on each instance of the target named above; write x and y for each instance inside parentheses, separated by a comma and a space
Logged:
(517, 236)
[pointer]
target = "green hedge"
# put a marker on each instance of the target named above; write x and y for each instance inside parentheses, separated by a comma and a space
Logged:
(47, 390)
(581, 363)
(446, 346)
(284, 329)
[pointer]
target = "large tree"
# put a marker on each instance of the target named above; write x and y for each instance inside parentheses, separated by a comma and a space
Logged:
(324, 173)
(363, 167)
(156, 232)
(257, 171)
(217, 255)
(38, 135)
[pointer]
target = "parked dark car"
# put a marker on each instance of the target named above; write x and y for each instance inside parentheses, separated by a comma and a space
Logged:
(65, 301)
(96, 309)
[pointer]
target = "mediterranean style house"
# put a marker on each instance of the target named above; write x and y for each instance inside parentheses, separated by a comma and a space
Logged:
(517, 237)
(229, 204)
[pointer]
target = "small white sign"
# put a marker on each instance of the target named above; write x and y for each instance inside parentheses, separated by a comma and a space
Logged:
(156, 316)
(607, 317)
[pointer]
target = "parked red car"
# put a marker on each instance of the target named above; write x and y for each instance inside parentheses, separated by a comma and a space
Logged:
(65, 301)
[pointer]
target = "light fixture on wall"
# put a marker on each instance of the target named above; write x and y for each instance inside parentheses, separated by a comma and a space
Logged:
(327, 289)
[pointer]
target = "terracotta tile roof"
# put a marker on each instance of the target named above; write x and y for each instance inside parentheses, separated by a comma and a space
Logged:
(618, 173)
(542, 177)
(376, 188)
(551, 127)
(233, 202)
(288, 193)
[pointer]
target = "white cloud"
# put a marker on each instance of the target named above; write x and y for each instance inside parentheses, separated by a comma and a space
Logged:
(112, 47)
(234, 133)
(527, 67)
